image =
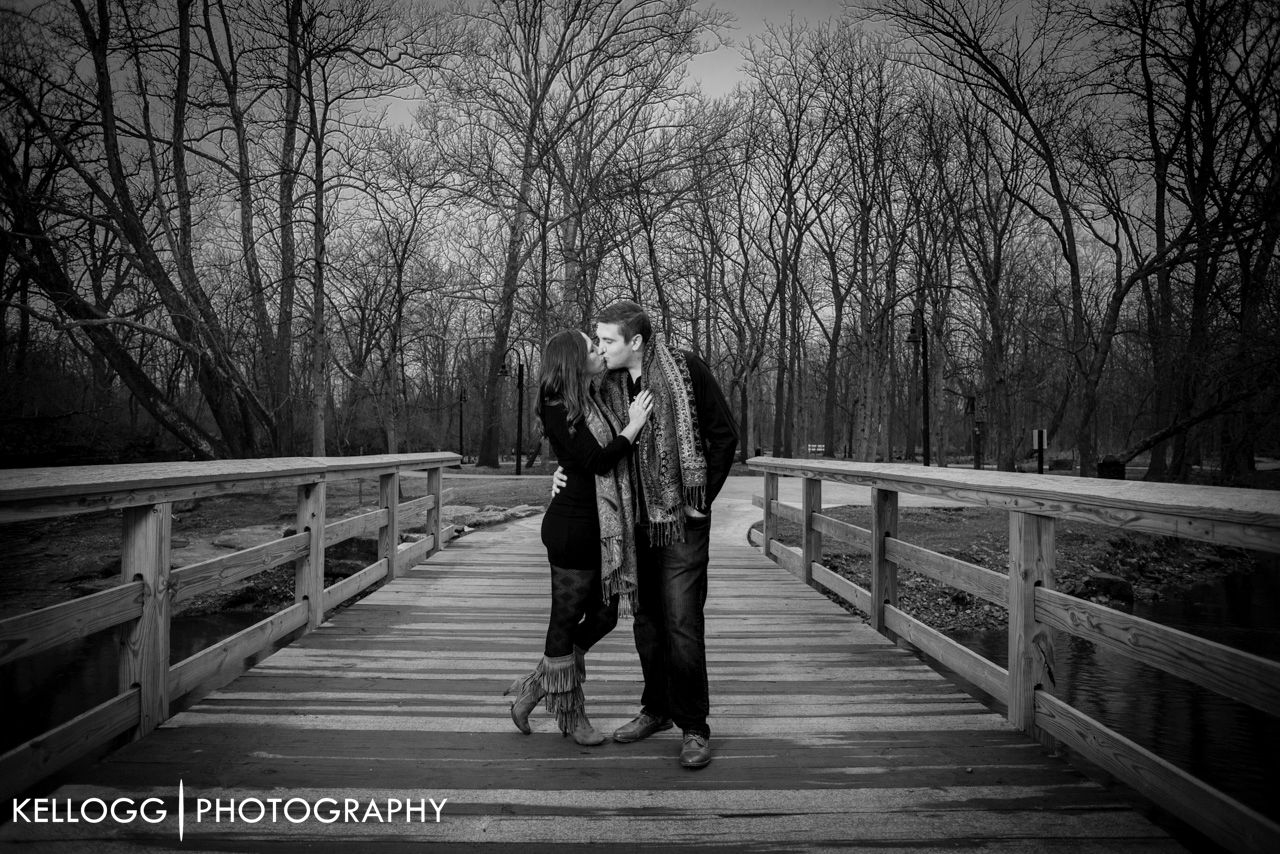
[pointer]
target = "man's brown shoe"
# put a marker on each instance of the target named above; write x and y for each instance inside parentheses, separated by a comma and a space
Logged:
(696, 751)
(643, 726)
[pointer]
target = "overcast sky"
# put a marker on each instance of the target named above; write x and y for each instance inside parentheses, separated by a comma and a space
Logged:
(718, 71)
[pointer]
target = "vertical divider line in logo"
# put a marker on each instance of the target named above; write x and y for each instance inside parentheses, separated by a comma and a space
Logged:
(182, 810)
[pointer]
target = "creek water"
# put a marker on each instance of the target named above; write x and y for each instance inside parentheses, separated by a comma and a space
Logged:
(1233, 746)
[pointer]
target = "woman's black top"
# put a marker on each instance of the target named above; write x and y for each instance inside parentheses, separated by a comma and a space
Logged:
(571, 526)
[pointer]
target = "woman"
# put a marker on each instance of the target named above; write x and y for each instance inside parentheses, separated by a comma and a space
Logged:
(588, 530)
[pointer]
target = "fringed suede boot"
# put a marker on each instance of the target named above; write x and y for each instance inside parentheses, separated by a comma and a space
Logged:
(565, 699)
(528, 691)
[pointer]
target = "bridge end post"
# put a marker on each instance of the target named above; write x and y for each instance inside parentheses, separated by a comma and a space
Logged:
(308, 582)
(811, 544)
(884, 572)
(435, 482)
(770, 527)
(144, 654)
(389, 533)
(1031, 565)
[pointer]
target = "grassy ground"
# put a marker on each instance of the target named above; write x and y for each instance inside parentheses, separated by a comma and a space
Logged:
(503, 490)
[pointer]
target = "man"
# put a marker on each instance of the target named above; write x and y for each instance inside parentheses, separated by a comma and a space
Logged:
(679, 463)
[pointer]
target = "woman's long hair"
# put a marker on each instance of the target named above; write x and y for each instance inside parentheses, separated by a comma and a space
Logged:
(564, 378)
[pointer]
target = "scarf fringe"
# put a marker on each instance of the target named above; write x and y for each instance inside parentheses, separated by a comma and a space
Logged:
(616, 579)
(669, 530)
(695, 496)
(627, 593)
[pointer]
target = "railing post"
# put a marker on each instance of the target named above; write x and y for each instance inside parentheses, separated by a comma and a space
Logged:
(1031, 562)
(308, 582)
(144, 654)
(770, 529)
(811, 544)
(389, 534)
(435, 481)
(884, 573)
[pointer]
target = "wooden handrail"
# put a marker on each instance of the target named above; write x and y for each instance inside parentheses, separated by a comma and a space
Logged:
(1249, 518)
(1236, 517)
(48, 492)
(141, 605)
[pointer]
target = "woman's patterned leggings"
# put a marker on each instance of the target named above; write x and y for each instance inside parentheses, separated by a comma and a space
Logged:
(580, 616)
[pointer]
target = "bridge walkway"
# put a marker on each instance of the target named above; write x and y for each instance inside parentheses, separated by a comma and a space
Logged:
(826, 737)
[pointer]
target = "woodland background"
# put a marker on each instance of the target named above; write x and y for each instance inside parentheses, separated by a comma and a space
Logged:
(236, 228)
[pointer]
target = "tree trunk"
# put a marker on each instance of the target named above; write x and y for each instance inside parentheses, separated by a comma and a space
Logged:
(319, 337)
(282, 354)
(571, 303)
(273, 386)
(780, 376)
(1240, 430)
(491, 424)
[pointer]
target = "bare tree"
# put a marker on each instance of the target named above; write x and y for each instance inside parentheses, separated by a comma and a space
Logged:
(797, 126)
(731, 210)
(860, 234)
(1186, 170)
(352, 52)
(243, 79)
(984, 172)
(130, 110)
(1026, 74)
(543, 74)
(399, 176)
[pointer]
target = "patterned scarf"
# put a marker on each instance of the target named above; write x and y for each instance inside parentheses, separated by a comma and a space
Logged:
(617, 516)
(673, 469)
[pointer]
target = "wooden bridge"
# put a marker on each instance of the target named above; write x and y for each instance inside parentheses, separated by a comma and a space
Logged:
(827, 734)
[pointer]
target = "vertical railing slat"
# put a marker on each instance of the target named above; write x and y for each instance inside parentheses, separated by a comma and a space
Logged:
(770, 527)
(389, 534)
(884, 573)
(435, 487)
(811, 544)
(1031, 564)
(308, 584)
(144, 654)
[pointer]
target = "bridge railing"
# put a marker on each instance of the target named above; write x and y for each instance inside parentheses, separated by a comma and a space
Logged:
(140, 607)
(1236, 517)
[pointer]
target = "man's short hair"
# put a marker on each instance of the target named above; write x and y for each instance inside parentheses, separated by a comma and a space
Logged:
(632, 320)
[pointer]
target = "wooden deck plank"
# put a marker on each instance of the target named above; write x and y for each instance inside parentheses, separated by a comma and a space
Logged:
(826, 736)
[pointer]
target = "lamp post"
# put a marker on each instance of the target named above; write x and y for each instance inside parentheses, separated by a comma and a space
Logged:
(920, 338)
(505, 372)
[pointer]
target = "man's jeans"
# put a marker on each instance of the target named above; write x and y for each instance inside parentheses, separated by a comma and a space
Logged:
(669, 626)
